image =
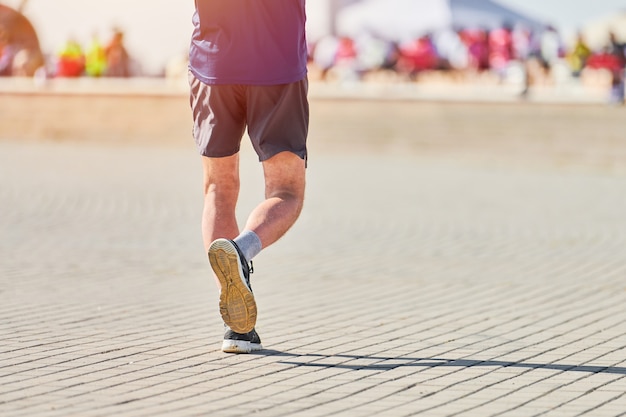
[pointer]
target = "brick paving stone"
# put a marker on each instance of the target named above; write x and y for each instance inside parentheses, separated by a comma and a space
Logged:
(432, 283)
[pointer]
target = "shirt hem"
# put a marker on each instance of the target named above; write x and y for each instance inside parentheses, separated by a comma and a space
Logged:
(235, 81)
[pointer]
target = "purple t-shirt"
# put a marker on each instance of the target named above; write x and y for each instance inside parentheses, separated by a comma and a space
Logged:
(253, 42)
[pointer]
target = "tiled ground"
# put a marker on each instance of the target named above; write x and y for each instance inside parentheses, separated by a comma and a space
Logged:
(411, 285)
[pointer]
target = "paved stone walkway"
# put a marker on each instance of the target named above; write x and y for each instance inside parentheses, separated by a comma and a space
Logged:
(412, 285)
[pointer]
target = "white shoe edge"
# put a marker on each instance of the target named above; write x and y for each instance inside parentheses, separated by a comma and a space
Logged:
(240, 346)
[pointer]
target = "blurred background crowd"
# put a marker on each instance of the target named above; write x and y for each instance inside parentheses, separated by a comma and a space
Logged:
(368, 40)
(506, 53)
(21, 54)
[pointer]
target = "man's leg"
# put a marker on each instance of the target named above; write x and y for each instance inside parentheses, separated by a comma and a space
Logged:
(221, 190)
(284, 197)
(219, 227)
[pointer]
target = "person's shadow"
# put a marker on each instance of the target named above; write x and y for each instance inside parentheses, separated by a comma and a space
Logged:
(384, 363)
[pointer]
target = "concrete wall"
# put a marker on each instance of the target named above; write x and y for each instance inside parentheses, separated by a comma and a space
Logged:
(163, 116)
(108, 118)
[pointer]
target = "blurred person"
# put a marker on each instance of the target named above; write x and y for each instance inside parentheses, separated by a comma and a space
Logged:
(7, 53)
(550, 48)
(537, 70)
(248, 69)
(501, 49)
(477, 42)
(522, 43)
(346, 59)
(371, 53)
(392, 55)
(609, 61)
(418, 55)
(117, 57)
(579, 54)
(70, 60)
(346, 51)
(324, 54)
(451, 49)
(618, 50)
(522, 53)
(95, 58)
(20, 54)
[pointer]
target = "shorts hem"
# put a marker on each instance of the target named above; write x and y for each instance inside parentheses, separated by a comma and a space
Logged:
(300, 154)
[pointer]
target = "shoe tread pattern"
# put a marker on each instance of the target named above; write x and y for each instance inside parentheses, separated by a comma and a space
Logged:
(237, 304)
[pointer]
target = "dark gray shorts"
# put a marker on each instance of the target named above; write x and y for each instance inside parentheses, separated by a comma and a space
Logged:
(277, 118)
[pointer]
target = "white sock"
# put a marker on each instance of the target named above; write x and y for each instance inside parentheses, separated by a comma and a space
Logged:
(249, 244)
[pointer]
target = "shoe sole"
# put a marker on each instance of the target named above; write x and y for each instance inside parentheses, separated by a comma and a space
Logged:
(240, 346)
(237, 304)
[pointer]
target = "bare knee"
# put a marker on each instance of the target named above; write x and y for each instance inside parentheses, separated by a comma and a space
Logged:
(285, 177)
(223, 188)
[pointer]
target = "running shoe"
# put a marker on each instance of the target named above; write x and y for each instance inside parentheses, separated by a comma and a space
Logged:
(237, 304)
(240, 343)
